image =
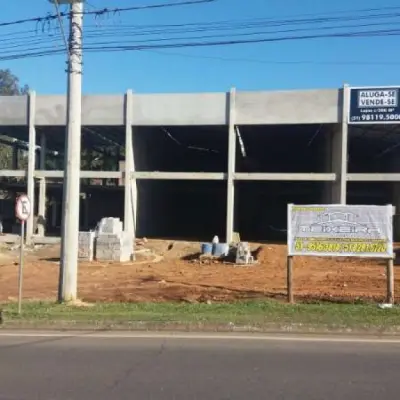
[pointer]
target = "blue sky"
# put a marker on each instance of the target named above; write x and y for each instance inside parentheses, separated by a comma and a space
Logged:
(195, 69)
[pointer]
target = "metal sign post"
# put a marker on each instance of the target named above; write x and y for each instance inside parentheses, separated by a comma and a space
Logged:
(23, 210)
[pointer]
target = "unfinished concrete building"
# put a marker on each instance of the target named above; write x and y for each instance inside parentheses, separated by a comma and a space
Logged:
(200, 164)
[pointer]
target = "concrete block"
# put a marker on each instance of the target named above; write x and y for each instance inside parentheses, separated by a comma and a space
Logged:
(114, 247)
(86, 246)
(110, 226)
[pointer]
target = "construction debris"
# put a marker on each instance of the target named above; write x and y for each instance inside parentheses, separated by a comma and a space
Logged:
(108, 243)
(86, 245)
(243, 254)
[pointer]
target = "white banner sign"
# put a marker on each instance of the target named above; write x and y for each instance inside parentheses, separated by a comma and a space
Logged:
(340, 230)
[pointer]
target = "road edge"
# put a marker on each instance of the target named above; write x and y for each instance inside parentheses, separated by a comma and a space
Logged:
(143, 326)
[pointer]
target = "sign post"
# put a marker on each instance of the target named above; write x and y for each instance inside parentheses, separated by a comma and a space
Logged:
(23, 210)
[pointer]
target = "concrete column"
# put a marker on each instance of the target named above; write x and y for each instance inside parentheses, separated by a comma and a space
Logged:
(394, 163)
(54, 213)
(31, 164)
(130, 194)
(43, 151)
(41, 223)
(339, 153)
(42, 188)
(327, 162)
(86, 215)
(396, 217)
(14, 157)
(230, 203)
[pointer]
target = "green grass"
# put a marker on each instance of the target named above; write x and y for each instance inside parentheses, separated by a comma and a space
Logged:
(256, 314)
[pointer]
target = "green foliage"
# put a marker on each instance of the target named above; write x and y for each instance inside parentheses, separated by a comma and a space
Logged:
(101, 158)
(9, 84)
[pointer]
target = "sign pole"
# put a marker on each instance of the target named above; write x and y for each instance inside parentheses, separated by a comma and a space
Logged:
(23, 209)
(21, 267)
(289, 278)
(390, 281)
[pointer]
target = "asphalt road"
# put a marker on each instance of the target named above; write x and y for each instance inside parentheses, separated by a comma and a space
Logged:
(48, 367)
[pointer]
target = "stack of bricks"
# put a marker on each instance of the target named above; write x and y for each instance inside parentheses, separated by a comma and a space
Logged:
(86, 246)
(112, 244)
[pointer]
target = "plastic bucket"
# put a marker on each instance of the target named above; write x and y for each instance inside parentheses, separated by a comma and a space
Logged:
(220, 249)
(206, 248)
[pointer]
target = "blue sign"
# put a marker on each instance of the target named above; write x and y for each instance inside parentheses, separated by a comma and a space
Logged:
(374, 105)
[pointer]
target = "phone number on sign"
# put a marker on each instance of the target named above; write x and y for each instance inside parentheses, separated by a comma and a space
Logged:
(332, 247)
(380, 117)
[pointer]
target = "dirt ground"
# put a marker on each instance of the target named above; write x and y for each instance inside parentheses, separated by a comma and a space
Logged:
(171, 271)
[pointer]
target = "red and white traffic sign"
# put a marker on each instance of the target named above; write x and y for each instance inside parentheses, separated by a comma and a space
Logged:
(23, 207)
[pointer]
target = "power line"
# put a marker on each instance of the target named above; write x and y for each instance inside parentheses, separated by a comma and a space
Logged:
(234, 35)
(211, 26)
(146, 7)
(52, 17)
(239, 32)
(271, 62)
(39, 41)
(97, 48)
(60, 22)
(15, 43)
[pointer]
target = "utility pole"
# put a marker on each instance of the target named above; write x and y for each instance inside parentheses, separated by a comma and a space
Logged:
(68, 279)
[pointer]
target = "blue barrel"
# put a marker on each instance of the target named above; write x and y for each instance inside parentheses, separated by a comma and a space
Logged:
(206, 248)
(220, 249)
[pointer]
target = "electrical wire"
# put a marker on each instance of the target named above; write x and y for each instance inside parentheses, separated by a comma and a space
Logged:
(60, 22)
(236, 31)
(316, 17)
(146, 7)
(40, 52)
(7, 43)
(22, 43)
(223, 25)
(88, 38)
(53, 17)
(271, 62)
(217, 25)
(393, 32)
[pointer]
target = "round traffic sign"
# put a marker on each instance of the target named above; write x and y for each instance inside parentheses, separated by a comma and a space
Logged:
(23, 207)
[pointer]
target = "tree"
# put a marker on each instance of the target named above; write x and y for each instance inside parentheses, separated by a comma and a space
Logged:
(92, 159)
(9, 84)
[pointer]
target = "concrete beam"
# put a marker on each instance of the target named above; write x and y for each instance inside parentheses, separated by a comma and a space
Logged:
(316, 177)
(83, 174)
(12, 173)
(96, 110)
(180, 109)
(31, 166)
(374, 177)
(203, 176)
(288, 107)
(14, 110)
(197, 176)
